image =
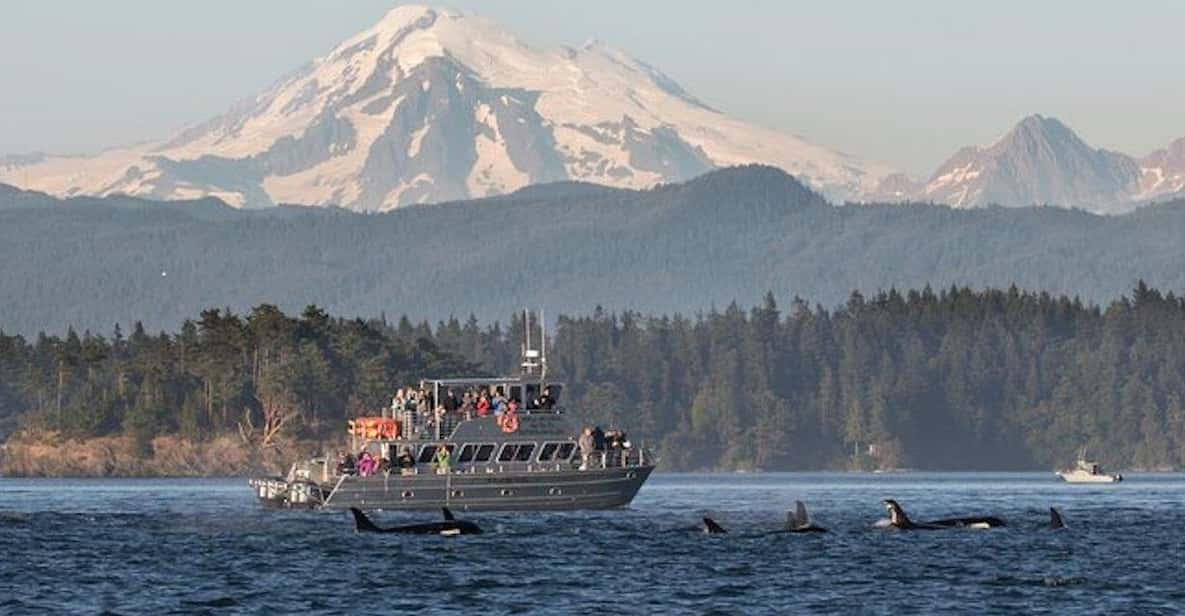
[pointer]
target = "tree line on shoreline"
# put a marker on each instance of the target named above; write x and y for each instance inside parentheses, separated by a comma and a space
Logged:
(951, 379)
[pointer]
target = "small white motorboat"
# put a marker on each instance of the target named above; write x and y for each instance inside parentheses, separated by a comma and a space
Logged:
(1088, 472)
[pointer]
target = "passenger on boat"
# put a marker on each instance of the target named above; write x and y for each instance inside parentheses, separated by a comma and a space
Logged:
(409, 429)
(599, 438)
(406, 461)
(498, 403)
(346, 464)
(385, 465)
(451, 402)
(483, 405)
(447, 420)
(442, 459)
(545, 401)
(427, 414)
(617, 445)
(468, 406)
(397, 403)
(587, 446)
(366, 464)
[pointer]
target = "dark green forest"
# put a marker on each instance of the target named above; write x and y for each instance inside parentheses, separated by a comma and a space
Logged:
(728, 235)
(948, 379)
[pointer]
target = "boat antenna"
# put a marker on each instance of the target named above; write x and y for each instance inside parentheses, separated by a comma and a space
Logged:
(542, 347)
(531, 357)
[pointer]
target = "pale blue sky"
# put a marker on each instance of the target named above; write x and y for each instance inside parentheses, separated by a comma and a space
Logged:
(905, 83)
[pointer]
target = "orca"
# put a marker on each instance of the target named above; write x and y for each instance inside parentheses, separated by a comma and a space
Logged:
(449, 527)
(797, 521)
(899, 520)
(1055, 519)
(712, 528)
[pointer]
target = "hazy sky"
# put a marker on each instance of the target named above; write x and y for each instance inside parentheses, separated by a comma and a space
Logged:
(906, 83)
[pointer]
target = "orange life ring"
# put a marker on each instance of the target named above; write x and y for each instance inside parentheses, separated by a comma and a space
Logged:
(508, 423)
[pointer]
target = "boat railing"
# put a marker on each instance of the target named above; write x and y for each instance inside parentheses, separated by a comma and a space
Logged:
(613, 457)
(415, 426)
(340, 480)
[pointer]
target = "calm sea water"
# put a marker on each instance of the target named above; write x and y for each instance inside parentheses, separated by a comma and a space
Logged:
(204, 546)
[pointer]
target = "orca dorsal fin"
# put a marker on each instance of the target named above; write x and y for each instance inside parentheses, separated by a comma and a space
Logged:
(800, 518)
(897, 515)
(448, 515)
(712, 528)
(362, 524)
(1055, 519)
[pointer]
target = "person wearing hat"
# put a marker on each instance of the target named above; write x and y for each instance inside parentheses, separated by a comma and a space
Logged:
(406, 462)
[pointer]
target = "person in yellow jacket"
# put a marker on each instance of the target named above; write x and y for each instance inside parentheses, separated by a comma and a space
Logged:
(442, 459)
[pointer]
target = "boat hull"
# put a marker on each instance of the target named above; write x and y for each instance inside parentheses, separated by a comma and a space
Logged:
(1082, 477)
(608, 488)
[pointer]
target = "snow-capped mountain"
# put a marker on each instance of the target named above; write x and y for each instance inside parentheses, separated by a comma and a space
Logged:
(1041, 161)
(432, 105)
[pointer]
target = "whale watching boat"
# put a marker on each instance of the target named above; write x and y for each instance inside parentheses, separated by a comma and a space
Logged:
(1085, 471)
(527, 458)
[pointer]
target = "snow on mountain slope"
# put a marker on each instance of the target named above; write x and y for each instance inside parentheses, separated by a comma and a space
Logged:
(1163, 171)
(1040, 161)
(433, 105)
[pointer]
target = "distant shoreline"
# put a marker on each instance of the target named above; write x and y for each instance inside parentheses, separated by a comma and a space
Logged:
(164, 457)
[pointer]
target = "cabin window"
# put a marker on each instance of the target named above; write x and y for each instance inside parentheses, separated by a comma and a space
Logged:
(548, 451)
(516, 452)
(484, 453)
(428, 453)
(531, 395)
(565, 451)
(516, 393)
(524, 452)
(476, 453)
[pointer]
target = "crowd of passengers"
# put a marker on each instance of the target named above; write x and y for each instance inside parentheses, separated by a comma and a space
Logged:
(366, 464)
(417, 409)
(596, 447)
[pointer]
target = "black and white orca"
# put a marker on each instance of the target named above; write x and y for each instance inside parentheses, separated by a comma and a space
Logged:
(899, 520)
(449, 527)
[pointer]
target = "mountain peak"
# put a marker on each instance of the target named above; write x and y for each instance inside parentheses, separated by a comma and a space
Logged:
(431, 105)
(404, 16)
(1039, 161)
(1039, 128)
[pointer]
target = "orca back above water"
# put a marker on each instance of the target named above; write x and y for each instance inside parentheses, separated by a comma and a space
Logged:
(899, 520)
(798, 521)
(449, 527)
(1055, 519)
(712, 528)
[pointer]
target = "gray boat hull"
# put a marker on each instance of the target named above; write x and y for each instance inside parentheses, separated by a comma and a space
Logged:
(607, 488)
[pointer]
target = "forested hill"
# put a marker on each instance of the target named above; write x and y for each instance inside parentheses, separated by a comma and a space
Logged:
(955, 379)
(725, 236)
